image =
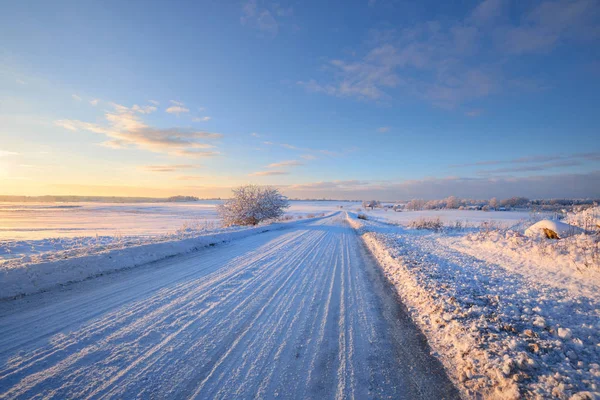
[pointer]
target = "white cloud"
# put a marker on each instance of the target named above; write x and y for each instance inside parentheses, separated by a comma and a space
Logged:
(94, 102)
(583, 185)
(450, 62)
(268, 173)
(21, 82)
(177, 110)
(201, 119)
(75, 97)
(156, 103)
(266, 20)
(4, 153)
(288, 163)
(143, 109)
(168, 168)
(383, 129)
(124, 128)
(303, 149)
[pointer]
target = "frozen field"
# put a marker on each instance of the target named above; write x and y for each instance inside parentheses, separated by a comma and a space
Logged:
(473, 218)
(36, 228)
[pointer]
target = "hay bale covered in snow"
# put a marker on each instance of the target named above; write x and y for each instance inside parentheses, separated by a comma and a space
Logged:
(552, 229)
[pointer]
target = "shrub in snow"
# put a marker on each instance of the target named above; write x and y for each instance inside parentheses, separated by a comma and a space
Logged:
(362, 216)
(588, 219)
(251, 204)
(427, 223)
(552, 229)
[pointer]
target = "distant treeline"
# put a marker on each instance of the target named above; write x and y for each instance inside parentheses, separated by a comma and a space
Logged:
(454, 202)
(98, 199)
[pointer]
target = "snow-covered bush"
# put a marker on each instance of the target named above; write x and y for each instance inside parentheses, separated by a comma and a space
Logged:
(362, 216)
(588, 219)
(434, 224)
(251, 204)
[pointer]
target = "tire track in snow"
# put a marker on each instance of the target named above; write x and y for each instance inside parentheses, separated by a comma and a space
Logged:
(292, 314)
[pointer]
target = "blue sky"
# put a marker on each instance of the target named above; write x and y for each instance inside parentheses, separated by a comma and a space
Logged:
(385, 99)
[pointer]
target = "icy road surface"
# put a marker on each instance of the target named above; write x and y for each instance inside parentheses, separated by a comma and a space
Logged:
(296, 313)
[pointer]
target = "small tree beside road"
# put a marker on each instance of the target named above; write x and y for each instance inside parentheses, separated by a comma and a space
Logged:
(251, 204)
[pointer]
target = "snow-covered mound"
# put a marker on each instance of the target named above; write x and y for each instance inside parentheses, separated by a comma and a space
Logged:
(560, 228)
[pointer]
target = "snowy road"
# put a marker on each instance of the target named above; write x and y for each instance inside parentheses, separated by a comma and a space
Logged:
(295, 313)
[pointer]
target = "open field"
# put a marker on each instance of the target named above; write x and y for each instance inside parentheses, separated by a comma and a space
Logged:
(30, 229)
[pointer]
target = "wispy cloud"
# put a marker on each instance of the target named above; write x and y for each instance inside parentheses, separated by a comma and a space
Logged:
(266, 20)
(75, 97)
(268, 173)
(543, 158)
(449, 62)
(545, 186)
(314, 152)
(156, 103)
(288, 163)
(473, 113)
(94, 102)
(177, 110)
(201, 119)
(383, 129)
(168, 168)
(143, 109)
(4, 153)
(531, 168)
(124, 128)
(547, 24)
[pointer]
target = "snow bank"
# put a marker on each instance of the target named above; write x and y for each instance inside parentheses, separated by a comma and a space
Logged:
(20, 278)
(498, 333)
(560, 228)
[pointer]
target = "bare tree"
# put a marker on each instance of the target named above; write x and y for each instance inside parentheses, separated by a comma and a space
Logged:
(251, 204)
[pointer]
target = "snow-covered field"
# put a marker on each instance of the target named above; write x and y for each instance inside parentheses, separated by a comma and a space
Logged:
(509, 316)
(42, 230)
(468, 218)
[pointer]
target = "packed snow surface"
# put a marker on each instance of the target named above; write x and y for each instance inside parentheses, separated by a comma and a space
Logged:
(293, 313)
